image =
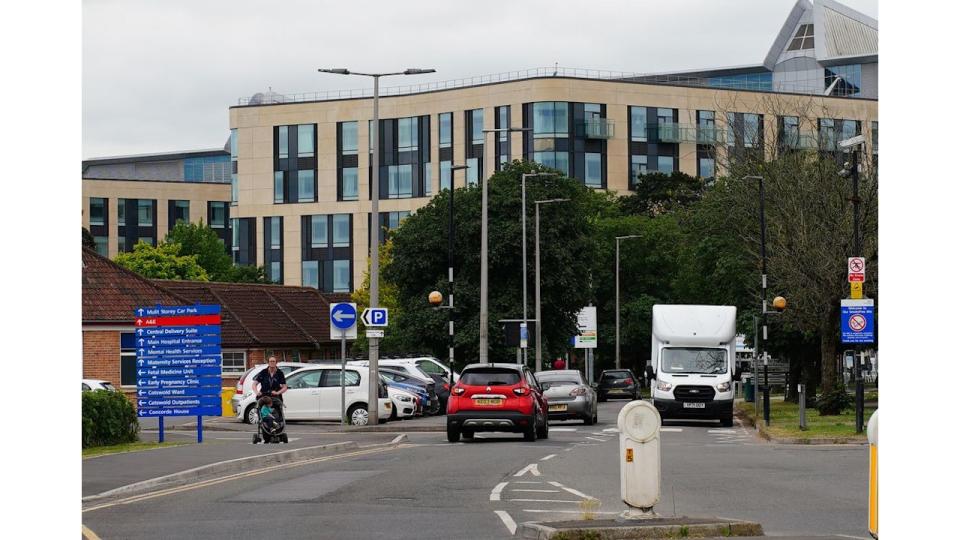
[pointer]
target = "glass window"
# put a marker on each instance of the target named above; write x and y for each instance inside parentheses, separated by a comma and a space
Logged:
(348, 138)
(706, 168)
(706, 127)
(828, 134)
(233, 144)
(445, 173)
(638, 124)
(550, 119)
(310, 274)
(803, 39)
(592, 174)
(235, 234)
(101, 242)
(731, 129)
(121, 212)
(751, 130)
(278, 186)
(305, 140)
(305, 186)
(341, 230)
(400, 181)
(341, 276)
(181, 211)
(745, 81)
(407, 131)
(427, 179)
(97, 210)
(318, 228)
(665, 164)
(122, 244)
(275, 272)
(305, 379)
(234, 188)
(128, 360)
(848, 129)
(554, 160)
(145, 213)
(875, 135)
(503, 114)
(275, 233)
(233, 362)
(282, 143)
(790, 132)
(693, 360)
(332, 378)
(476, 119)
(446, 130)
(473, 171)
(146, 240)
(638, 166)
(218, 215)
(350, 181)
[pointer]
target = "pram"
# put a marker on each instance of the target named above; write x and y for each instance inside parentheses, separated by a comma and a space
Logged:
(271, 432)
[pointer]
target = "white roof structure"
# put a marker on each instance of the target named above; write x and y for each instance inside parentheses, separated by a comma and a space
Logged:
(841, 34)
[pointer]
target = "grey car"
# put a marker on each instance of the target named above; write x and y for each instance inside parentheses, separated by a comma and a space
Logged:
(568, 395)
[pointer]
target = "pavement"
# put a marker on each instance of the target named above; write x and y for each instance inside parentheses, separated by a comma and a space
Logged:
(421, 424)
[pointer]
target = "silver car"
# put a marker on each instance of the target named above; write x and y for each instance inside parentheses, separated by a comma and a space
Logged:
(568, 395)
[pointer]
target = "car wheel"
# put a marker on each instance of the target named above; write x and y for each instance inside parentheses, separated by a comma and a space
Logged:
(467, 433)
(544, 432)
(358, 415)
(589, 420)
(393, 412)
(530, 434)
(453, 434)
(601, 398)
(251, 415)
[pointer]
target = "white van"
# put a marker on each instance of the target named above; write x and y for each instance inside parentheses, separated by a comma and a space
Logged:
(693, 353)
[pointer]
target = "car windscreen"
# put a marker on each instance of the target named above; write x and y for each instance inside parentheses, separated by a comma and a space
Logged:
(490, 377)
(616, 376)
(558, 379)
(695, 360)
(109, 387)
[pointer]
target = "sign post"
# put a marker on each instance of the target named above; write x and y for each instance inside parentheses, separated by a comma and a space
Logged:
(178, 362)
(343, 319)
(587, 338)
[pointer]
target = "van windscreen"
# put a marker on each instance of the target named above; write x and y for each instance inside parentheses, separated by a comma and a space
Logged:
(490, 377)
(697, 360)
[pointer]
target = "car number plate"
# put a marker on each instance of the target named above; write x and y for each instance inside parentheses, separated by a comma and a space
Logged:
(561, 407)
(487, 401)
(694, 405)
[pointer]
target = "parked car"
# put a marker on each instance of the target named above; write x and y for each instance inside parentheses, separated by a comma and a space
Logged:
(497, 397)
(443, 391)
(568, 395)
(313, 393)
(618, 383)
(90, 385)
(405, 404)
(404, 382)
(245, 387)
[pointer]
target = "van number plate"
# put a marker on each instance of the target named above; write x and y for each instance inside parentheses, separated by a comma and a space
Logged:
(694, 405)
(487, 401)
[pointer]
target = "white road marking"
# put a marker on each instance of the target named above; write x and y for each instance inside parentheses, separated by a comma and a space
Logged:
(495, 494)
(537, 490)
(611, 430)
(542, 500)
(671, 429)
(571, 490)
(563, 429)
(600, 434)
(525, 482)
(548, 457)
(596, 439)
(564, 512)
(532, 469)
(508, 521)
(723, 431)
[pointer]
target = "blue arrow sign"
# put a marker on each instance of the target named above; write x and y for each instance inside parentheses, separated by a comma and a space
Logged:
(168, 402)
(178, 382)
(177, 311)
(185, 362)
(173, 331)
(178, 351)
(178, 392)
(343, 315)
(183, 341)
(169, 372)
(180, 411)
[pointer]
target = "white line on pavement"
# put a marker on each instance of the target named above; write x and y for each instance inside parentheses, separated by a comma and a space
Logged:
(570, 490)
(542, 500)
(548, 457)
(525, 482)
(508, 521)
(671, 429)
(564, 512)
(723, 431)
(532, 469)
(611, 430)
(537, 490)
(596, 439)
(495, 494)
(563, 429)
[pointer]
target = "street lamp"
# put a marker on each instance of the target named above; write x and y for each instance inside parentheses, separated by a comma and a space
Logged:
(523, 199)
(536, 204)
(619, 238)
(484, 310)
(374, 343)
(851, 169)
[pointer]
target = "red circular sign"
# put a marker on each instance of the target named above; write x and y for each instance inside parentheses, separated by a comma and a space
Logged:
(856, 265)
(857, 323)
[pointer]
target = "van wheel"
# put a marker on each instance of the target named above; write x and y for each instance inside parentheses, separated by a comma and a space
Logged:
(453, 434)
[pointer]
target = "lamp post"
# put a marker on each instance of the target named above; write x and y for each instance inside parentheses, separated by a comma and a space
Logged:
(536, 204)
(484, 289)
(373, 395)
(851, 169)
(763, 295)
(523, 203)
(450, 231)
(619, 238)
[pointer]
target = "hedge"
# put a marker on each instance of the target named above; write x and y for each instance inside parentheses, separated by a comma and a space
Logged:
(108, 418)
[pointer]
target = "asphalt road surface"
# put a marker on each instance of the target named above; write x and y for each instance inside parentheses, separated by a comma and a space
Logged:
(481, 489)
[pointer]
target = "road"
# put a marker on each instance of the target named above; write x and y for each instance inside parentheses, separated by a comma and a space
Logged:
(429, 488)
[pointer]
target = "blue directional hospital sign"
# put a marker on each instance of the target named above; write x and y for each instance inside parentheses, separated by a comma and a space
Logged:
(856, 321)
(178, 360)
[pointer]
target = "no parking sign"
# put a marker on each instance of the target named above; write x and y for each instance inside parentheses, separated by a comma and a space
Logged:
(856, 321)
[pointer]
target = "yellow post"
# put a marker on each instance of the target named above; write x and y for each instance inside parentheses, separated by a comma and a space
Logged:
(872, 438)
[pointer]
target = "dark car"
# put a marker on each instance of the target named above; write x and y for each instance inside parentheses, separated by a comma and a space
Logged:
(618, 383)
(443, 390)
(497, 397)
(411, 384)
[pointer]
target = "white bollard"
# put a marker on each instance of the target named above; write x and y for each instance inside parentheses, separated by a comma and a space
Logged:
(639, 424)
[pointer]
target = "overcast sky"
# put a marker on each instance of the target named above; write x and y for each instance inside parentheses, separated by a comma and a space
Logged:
(160, 75)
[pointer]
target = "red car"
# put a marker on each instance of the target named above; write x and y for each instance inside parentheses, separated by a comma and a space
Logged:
(497, 397)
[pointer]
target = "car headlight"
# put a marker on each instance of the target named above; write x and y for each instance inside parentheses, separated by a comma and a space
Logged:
(664, 386)
(405, 399)
(723, 387)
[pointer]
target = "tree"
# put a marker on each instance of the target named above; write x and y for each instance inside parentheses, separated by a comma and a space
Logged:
(162, 262)
(657, 193)
(200, 240)
(88, 241)
(243, 273)
(392, 341)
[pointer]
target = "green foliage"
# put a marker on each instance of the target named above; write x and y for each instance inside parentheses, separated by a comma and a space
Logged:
(247, 274)
(200, 240)
(834, 402)
(387, 298)
(108, 418)
(88, 241)
(162, 262)
(658, 193)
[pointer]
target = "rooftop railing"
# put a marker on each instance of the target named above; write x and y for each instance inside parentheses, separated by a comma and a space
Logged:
(812, 87)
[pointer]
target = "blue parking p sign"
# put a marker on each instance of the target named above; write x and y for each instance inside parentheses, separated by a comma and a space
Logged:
(856, 321)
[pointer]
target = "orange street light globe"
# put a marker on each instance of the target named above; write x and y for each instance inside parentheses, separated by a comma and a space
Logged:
(780, 303)
(435, 298)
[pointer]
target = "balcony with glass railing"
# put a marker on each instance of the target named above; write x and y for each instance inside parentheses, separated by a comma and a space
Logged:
(709, 135)
(597, 128)
(799, 142)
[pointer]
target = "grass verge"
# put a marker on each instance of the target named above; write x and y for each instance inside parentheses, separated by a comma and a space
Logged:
(129, 447)
(785, 423)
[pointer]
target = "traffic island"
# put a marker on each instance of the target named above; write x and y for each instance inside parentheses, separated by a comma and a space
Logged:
(784, 424)
(650, 528)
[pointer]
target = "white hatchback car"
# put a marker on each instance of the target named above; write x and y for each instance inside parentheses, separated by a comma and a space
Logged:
(98, 384)
(247, 412)
(313, 393)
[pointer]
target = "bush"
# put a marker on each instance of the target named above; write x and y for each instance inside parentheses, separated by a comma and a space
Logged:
(108, 418)
(834, 402)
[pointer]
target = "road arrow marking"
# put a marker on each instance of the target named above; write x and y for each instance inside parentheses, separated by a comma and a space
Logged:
(548, 457)
(508, 521)
(495, 494)
(532, 469)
